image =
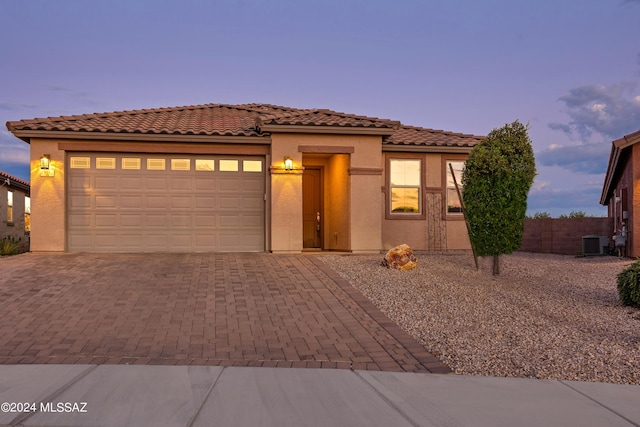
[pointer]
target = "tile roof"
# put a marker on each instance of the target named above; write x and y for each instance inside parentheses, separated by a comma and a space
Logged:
(243, 120)
(410, 135)
(13, 180)
(317, 117)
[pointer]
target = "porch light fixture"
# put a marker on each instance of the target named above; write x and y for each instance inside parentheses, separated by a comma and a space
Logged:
(288, 163)
(45, 166)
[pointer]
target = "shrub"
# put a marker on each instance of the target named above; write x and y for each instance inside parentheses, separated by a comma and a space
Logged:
(629, 285)
(9, 245)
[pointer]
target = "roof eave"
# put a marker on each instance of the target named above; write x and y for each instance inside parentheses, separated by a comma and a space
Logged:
(149, 137)
(617, 147)
(427, 148)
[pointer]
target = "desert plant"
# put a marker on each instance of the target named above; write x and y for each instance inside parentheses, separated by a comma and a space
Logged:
(629, 285)
(9, 245)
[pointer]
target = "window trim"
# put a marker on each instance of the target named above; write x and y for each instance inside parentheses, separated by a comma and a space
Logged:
(450, 216)
(421, 215)
(10, 207)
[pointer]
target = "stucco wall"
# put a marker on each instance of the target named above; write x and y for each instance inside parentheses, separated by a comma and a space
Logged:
(626, 198)
(437, 231)
(47, 198)
(360, 180)
(15, 228)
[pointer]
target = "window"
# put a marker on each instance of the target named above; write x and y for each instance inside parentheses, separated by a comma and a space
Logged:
(105, 163)
(155, 164)
(131, 163)
(80, 162)
(205, 165)
(252, 165)
(180, 164)
(229, 165)
(453, 201)
(405, 177)
(27, 213)
(9, 206)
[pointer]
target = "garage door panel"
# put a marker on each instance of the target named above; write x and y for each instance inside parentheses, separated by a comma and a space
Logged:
(251, 220)
(131, 202)
(205, 220)
(180, 202)
(181, 183)
(205, 202)
(108, 220)
(205, 183)
(106, 201)
(79, 183)
(131, 183)
(154, 202)
(129, 220)
(157, 220)
(165, 209)
(156, 183)
(80, 220)
(106, 183)
(81, 201)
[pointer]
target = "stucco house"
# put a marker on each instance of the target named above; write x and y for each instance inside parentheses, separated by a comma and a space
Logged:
(250, 177)
(15, 209)
(621, 189)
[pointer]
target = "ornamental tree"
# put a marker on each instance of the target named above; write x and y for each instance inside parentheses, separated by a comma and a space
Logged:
(497, 177)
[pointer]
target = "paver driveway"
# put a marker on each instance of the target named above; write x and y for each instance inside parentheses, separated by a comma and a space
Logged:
(205, 309)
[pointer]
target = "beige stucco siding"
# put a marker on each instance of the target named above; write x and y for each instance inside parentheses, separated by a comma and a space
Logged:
(352, 190)
(437, 231)
(47, 198)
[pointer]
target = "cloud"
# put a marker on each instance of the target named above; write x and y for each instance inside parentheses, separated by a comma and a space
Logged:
(563, 201)
(590, 158)
(12, 150)
(601, 112)
(7, 106)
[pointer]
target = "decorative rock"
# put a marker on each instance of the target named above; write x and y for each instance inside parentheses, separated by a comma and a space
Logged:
(400, 258)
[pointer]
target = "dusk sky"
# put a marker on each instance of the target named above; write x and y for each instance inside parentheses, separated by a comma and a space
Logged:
(571, 69)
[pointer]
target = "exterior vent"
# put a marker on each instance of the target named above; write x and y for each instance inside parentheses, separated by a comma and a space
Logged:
(595, 245)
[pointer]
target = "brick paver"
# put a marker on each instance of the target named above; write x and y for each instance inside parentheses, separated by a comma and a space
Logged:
(202, 309)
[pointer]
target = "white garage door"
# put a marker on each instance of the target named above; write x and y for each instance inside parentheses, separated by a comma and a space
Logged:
(161, 203)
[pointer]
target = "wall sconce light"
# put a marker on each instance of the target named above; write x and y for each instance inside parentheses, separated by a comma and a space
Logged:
(45, 166)
(288, 163)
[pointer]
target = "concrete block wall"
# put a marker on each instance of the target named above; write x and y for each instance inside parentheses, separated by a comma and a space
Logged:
(562, 235)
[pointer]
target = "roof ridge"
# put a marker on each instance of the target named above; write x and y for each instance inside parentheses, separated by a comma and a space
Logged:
(120, 113)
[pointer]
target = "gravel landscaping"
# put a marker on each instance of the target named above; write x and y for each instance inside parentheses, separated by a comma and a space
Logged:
(545, 316)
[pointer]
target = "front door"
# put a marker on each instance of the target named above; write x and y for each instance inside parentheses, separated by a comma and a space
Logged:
(312, 208)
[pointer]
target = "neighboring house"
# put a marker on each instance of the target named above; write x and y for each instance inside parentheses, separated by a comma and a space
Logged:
(620, 192)
(15, 209)
(248, 177)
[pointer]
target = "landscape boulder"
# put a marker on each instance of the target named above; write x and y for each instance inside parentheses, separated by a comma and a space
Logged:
(400, 258)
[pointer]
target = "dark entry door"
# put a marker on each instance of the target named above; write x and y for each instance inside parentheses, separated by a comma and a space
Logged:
(312, 208)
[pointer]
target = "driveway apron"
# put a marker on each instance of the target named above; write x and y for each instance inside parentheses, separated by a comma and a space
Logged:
(225, 309)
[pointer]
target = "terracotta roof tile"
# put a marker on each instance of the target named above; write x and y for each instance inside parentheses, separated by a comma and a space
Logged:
(14, 179)
(317, 117)
(234, 120)
(410, 135)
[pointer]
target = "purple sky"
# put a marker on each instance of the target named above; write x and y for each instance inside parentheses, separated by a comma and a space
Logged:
(571, 69)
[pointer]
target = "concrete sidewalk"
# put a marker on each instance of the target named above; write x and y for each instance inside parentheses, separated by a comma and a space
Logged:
(120, 395)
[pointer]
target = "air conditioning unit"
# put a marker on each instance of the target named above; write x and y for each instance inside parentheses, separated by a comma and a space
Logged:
(595, 245)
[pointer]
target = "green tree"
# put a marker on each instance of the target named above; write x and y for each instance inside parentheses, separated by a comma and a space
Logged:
(575, 214)
(539, 215)
(497, 177)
